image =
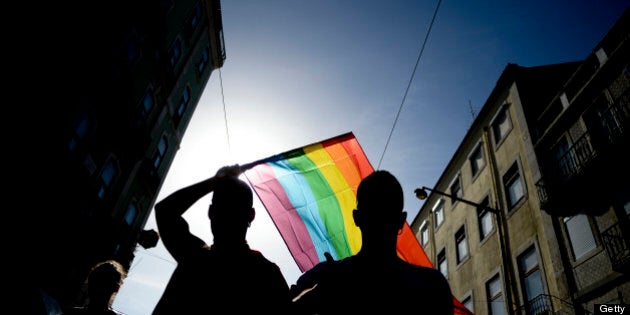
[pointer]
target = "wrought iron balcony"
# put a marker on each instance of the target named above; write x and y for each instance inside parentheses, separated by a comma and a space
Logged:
(617, 248)
(590, 160)
(545, 304)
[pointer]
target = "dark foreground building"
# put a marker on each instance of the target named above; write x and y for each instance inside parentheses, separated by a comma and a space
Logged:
(112, 87)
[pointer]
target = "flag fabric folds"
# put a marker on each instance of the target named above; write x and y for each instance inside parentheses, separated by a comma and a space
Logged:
(310, 193)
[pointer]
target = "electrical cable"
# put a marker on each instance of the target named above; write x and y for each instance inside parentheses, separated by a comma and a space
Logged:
(409, 84)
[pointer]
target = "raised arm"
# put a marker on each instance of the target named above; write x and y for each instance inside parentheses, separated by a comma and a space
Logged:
(173, 228)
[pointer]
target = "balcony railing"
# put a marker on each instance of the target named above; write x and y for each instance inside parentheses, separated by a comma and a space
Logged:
(545, 304)
(605, 140)
(617, 248)
(577, 157)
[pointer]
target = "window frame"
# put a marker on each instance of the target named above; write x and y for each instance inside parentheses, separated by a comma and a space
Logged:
(509, 177)
(483, 213)
(461, 238)
(105, 185)
(175, 52)
(204, 60)
(491, 298)
(456, 183)
(524, 274)
(442, 261)
(438, 212)
(469, 299)
(475, 169)
(80, 132)
(587, 253)
(424, 229)
(183, 102)
(144, 111)
(495, 124)
(133, 203)
(158, 155)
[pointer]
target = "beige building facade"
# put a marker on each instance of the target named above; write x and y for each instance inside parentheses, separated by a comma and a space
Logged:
(498, 222)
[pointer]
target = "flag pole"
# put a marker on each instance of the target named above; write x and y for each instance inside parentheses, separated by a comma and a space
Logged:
(247, 166)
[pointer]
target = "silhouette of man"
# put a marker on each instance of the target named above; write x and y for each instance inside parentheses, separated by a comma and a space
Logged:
(375, 279)
(103, 282)
(227, 277)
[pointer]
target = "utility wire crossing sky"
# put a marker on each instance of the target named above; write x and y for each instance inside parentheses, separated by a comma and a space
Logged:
(301, 72)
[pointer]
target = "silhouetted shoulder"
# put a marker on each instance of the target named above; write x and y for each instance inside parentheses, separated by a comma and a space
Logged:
(87, 311)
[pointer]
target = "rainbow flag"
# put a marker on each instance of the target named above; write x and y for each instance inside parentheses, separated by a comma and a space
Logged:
(310, 193)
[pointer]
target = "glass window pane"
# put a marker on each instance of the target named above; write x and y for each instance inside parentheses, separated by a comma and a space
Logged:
(462, 249)
(497, 306)
(130, 215)
(425, 235)
(443, 268)
(147, 102)
(468, 303)
(486, 224)
(494, 286)
(515, 191)
(533, 285)
(439, 216)
(580, 235)
(108, 173)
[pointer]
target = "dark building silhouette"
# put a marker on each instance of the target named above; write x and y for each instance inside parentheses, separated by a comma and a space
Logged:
(112, 88)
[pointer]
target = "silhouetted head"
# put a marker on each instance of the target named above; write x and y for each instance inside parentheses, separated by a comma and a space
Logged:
(231, 209)
(380, 203)
(104, 280)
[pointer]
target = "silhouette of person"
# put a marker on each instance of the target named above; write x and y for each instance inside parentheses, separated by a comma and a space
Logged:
(226, 277)
(103, 282)
(374, 279)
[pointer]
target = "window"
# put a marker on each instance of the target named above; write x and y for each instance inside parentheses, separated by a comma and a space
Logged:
(79, 132)
(147, 103)
(183, 102)
(159, 154)
(456, 189)
(203, 61)
(106, 179)
(175, 52)
(424, 233)
(563, 155)
(442, 265)
(132, 212)
(462, 244)
(438, 212)
(580, 235)
(485, 219)
(195, 17)
(531, 280)
(468, 303)
(496, 303)
(513, 185)
(564, 100)
(476, 159)
(501, 125)
(601, 56)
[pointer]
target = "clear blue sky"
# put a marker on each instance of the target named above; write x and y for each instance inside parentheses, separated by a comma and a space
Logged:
(299, 72)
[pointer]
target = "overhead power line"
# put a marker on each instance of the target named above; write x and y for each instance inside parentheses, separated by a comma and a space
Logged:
(227, 133)
(413, 73)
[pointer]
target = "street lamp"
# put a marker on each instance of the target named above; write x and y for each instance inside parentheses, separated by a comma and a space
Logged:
(421, 193)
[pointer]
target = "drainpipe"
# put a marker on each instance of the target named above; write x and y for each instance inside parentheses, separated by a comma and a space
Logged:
(509, 277)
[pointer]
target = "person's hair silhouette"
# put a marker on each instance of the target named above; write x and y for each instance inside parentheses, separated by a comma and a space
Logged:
(375, 278)
(103, 282)
(228, 276)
